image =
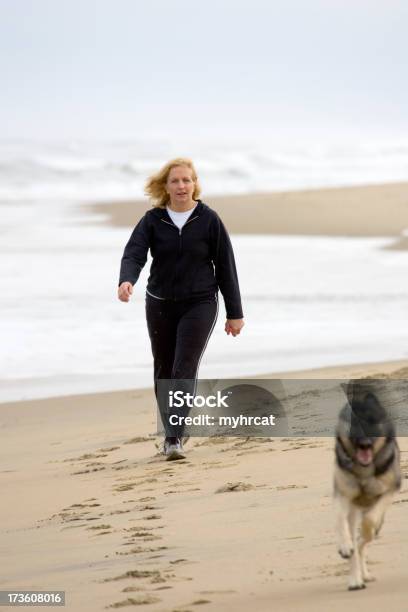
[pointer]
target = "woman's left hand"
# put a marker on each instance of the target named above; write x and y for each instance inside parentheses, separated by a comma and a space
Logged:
(234, 326)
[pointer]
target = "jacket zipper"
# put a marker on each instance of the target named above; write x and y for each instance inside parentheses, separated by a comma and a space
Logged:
(168, 223)
(174, 225)
(179, 231)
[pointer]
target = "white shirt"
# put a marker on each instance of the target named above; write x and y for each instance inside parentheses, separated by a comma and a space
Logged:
(179, 218)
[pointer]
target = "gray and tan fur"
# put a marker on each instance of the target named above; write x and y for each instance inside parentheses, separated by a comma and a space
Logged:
(363, 491)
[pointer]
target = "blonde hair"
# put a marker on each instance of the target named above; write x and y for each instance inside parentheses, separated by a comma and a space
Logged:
(155, 186)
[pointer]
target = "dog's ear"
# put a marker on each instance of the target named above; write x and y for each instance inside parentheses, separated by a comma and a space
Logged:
(349, 389)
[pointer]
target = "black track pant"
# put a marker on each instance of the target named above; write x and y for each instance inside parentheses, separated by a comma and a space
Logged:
(179, 332)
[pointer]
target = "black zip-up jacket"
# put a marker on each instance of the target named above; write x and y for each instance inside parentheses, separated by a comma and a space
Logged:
(192, 262)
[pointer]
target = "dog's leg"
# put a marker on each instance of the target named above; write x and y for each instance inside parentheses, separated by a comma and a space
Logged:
(370, 527)
(345, 543)
(367, 576)
(356, 581)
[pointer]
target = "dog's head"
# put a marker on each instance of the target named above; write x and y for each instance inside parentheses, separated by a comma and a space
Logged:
(364, 428)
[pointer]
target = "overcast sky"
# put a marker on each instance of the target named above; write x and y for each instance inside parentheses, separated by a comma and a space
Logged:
(115, 69)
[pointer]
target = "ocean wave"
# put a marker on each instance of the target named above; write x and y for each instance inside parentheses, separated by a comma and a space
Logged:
(119, 170)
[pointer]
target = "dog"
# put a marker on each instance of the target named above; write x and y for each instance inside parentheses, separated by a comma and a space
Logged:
(367, 476)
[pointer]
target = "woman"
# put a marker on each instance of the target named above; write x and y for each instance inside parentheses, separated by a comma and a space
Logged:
(192, 258)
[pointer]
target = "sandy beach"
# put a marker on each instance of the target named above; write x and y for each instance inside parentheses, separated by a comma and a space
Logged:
(373, 210)
(90, 507)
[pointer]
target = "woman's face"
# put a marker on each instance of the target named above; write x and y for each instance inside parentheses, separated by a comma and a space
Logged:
(180, 185)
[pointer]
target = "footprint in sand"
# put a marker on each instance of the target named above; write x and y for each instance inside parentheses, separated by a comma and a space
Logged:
(162, 588)
(135, 601)
(86, 457)
(82, 505)
(100, 527)
(131, 589)
(96, 469)
(141, 533)
(137, 440)
(124, 487)
(118, 465)
(148, 507)
(234, 486)
(150, 517)
(250, 452)
(153, 576)
(131, 485)
(135, 574)
(76, 512)
(137, 550)
(180, 562)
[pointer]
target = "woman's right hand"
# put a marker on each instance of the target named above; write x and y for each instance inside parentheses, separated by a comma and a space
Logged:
(125, 291)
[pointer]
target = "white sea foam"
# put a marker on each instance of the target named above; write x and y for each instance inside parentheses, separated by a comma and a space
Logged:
(102, 171)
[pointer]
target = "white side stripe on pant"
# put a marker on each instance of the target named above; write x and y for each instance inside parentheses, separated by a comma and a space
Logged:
(205, 345)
